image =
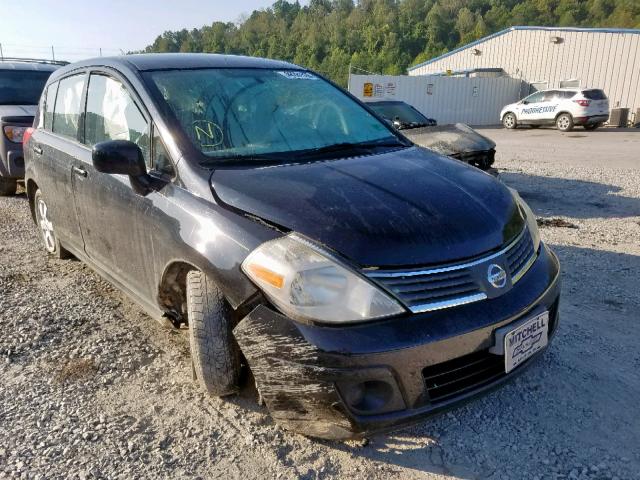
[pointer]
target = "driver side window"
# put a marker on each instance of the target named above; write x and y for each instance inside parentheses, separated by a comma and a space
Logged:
(113, 115)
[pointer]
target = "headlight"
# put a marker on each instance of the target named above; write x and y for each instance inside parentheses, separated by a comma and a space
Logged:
(14, 134)
(307, 284)
(530, 217)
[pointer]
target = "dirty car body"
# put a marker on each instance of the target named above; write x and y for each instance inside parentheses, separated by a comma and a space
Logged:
(458, 141)
(373, 282)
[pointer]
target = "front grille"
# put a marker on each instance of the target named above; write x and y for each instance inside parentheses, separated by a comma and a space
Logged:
(443, 288)
(462, 374)
(453, 285)
(519, 256)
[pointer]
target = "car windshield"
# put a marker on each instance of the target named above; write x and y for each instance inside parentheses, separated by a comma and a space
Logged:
(399, 111)
(21, 87)
(253, 114)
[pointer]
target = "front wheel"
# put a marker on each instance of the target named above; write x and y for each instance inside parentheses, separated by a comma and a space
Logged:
(592, 126)
(215, 355)
(509, 121)
(8, 186)
(45, 225)
(564, 122)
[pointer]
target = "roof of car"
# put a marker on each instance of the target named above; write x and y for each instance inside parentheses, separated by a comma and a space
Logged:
(386, 102)
(568, 89)
(168, 61)
(27, 65)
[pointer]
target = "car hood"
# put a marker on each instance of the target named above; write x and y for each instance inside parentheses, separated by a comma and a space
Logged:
(399, 208)
(449, 139)
(17, 111)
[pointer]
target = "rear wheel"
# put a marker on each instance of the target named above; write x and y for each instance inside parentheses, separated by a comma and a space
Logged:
(564, 122)
(509, 121)
(214, 352)
(592, 126)
(45, 225)
(8, 186)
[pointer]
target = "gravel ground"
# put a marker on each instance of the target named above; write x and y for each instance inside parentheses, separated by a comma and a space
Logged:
(90, 387)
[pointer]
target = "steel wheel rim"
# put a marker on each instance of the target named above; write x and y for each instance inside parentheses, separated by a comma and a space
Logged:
(46, 227)
(508, 120)
(563, 122)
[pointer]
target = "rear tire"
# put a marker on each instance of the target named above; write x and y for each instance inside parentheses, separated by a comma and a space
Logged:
(564, 122)
(45, 227)
(214, 351)
(8, 186)
(509, 121)
(592, 126)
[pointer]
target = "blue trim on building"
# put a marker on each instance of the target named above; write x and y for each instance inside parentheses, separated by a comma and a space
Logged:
(511, 29)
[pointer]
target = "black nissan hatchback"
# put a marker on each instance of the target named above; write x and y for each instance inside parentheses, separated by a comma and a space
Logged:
(365, 282)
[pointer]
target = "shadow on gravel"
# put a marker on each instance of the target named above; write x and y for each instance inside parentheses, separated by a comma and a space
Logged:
(552, 196)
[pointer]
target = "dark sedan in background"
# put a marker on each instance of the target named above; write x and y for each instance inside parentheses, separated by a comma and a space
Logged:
(21, 84)
(458, 141)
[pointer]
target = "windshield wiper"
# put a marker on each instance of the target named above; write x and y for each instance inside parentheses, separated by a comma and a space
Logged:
(248, 158)
(350, 146)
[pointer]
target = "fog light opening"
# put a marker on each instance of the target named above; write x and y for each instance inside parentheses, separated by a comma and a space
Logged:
(368, 396)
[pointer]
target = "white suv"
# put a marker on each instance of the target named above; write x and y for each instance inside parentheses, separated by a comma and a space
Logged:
(564, 107)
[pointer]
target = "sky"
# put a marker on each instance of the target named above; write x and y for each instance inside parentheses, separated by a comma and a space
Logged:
(79, 28)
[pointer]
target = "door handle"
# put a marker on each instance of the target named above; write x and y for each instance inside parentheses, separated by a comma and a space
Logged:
(37, 150)
(79, 171)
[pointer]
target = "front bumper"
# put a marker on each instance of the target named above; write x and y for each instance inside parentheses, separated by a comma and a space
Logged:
(483, 159)
(305, 373)
(14, 164)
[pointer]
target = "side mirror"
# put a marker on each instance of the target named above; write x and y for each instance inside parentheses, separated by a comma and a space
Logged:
(524, 102)
(123, 157)
(118, 157)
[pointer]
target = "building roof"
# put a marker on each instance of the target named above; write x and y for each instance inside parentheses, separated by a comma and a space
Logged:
(511, 29)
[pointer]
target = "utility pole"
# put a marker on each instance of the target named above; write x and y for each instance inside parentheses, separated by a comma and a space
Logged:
(1, 54)
(53, 54)
(349, 80)
(101, 52)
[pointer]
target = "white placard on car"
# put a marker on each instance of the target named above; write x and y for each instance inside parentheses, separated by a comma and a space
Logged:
(525, 340)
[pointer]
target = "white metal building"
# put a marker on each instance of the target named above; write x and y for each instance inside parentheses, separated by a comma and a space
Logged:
(548, 57)
(476, 101)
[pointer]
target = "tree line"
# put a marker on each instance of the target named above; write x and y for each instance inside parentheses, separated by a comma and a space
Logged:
(384, 36)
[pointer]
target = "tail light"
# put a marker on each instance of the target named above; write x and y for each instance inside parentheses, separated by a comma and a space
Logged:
(583, 103)
(26, 136)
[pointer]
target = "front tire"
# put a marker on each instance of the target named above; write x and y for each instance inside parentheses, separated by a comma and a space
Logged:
(45, 226)
(564, 122)
(509, 121)
(214, 352)
(8, 186)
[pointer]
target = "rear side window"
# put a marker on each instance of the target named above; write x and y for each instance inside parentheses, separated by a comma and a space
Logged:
(594, 94)
(67, 111)
(49, 104)
(550, 95)
(113, 115)
(567, 94)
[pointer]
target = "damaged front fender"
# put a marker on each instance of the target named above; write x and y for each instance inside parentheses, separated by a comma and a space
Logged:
(297, 389)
